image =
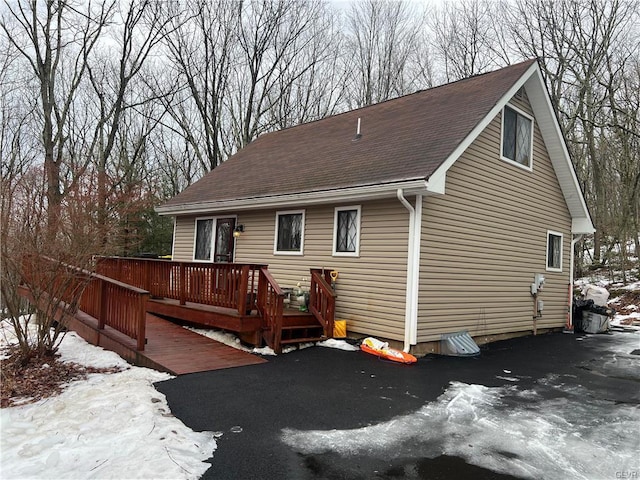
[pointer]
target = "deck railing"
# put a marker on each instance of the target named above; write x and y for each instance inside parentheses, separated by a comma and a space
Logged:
(322, 301)
(112, 303)
(230, 285)
(270, 305)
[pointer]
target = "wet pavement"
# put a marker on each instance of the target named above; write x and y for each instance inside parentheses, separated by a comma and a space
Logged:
(551, 406)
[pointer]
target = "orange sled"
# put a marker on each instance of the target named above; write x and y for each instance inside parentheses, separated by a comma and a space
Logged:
(381, 349)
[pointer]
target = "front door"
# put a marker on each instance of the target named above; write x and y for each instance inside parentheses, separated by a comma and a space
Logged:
(224, 240)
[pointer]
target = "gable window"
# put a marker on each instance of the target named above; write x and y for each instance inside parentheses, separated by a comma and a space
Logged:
(517, 137)
(554, 251)
(346, 231)
(204, 239)
(289, 232)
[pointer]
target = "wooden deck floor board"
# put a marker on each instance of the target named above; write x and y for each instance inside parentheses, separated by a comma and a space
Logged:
(182, 351)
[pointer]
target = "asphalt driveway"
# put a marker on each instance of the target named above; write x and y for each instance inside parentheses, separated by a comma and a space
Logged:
(537, 407)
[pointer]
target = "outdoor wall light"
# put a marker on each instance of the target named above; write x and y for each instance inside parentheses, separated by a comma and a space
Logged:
(238, 230)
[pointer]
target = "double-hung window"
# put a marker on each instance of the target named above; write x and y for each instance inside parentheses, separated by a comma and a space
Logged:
(517, 137)
(289, 233)
(554, 251)
(346, 231)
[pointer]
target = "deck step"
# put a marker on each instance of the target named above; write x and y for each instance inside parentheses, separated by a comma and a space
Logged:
(301, 327)
(302, 340)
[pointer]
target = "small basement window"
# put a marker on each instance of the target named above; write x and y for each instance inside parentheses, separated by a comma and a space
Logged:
(346, 231)
(517, 137)
(554, 251)
(289, 233)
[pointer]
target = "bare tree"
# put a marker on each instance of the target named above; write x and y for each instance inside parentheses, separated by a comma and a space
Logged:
(586, 48)
(466, 38)
(382, 46)
(55, 38)
(200, 48)
(270, 33)
(313, 84)
(116, 93)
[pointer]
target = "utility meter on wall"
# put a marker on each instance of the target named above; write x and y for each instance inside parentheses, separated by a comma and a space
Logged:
(538, 283)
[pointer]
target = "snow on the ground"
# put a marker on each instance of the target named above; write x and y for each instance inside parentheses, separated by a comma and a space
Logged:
(223, 337)
(109, 426)
(286, 349)
(567, 434)
(233, 341)
(338, 344)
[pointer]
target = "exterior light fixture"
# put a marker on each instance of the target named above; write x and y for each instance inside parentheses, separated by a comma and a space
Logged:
(238, 230)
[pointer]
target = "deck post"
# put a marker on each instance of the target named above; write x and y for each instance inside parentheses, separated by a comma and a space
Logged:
(102, 303)
(242, 289)
(142, 318)
(183, 291)
(147, 277)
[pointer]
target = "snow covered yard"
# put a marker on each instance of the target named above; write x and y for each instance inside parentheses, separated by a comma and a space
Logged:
(108, 426)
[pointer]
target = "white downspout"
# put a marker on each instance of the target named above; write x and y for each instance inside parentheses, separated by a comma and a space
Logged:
(411, 306)
(574, 239)
(417, 234)
(173, 240)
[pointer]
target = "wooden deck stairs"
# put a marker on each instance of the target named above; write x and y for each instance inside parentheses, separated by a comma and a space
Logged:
(300, 327)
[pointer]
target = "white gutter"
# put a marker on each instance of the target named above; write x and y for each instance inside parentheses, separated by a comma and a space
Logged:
(369, 192)
(413, 262)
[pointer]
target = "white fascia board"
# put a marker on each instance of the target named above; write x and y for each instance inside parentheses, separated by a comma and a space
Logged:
(439, 175)
(558, 153)
(582, 226)
(369, 192)
(548, 124)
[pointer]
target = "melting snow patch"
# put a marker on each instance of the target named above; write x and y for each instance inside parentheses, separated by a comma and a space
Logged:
(339, 344)
(501, 429)
(220, 336)
(263, 351)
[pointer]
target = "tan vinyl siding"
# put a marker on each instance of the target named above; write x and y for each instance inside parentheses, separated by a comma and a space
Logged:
(183, 239)
(483, 241)
(371, 288)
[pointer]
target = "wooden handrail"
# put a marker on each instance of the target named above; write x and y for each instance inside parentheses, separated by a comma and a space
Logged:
(270, 306)
(230, 285)
(322, 301)
(111, 302)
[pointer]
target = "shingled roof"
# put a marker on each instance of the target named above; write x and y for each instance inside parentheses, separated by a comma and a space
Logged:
(403, 139)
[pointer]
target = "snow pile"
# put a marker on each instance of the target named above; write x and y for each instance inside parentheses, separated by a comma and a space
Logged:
(338, 344)
(223, 337)
(108, 426)
(233, 341)
(554, 431)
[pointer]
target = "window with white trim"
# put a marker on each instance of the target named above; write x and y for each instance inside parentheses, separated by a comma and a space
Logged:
(554, 251)
(203, 240)
(289, 238)
(346, 231)
(517, 137)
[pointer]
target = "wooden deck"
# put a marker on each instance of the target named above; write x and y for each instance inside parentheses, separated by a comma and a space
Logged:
(137, 323)
(179, 351)
(247, 327)
(169, 347)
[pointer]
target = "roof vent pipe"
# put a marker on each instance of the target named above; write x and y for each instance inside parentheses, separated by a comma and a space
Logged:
(358, 134)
